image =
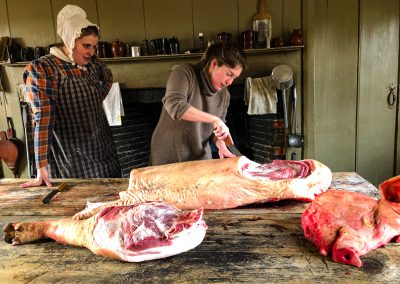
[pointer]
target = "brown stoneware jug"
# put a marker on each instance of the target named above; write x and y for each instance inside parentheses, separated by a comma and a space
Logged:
(296, 37)
(278, 42)
(118, 48)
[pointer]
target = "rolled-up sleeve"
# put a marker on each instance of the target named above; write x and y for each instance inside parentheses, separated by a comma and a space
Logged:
(40, 94)
(176, 95)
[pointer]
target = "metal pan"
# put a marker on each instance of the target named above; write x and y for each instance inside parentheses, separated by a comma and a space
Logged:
(282, 77)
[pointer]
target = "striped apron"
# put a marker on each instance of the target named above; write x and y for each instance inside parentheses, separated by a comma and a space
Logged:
(82, 144)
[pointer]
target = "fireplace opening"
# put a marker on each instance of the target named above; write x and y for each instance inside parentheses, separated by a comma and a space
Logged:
(261, 138)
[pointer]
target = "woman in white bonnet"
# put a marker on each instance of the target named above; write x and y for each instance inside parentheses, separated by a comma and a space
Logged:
(65, 90)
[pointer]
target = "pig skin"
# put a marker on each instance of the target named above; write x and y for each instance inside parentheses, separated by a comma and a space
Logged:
(130, 233)
(348, 225)
(216, 184)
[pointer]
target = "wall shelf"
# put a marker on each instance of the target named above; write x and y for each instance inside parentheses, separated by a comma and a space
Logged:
(177, 56)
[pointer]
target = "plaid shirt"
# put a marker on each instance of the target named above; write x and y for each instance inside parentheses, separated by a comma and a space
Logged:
(41, 78)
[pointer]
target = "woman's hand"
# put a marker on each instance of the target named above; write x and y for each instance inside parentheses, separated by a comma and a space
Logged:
(42, 176)
(223, 151)
(221, 131)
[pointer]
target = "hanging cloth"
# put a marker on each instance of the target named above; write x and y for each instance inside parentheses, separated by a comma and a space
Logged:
(260, 95)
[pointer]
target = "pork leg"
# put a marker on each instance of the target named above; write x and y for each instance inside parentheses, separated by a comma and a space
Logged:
(131, 233)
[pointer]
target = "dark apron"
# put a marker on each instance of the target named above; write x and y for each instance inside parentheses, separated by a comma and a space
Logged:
(82, 145)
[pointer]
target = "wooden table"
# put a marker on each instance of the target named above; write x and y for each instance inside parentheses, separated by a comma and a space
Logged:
(263, 244)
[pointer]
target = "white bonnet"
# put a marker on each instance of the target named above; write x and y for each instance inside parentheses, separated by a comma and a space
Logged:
(70, 22)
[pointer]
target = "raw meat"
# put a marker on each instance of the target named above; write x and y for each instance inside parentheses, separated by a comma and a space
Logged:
(131, 233)
(349, 224)
(223, 183)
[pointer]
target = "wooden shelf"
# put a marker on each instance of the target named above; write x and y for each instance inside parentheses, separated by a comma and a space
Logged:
(176, 56)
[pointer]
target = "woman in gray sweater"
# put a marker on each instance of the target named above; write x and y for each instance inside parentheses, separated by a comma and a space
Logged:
(195, 106)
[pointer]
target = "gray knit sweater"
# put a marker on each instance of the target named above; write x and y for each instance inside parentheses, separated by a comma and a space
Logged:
(177, 140)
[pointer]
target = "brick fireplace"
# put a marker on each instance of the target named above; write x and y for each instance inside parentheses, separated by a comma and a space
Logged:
(259, 137)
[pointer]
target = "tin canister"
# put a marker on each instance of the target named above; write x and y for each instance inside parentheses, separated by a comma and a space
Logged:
(135, 51)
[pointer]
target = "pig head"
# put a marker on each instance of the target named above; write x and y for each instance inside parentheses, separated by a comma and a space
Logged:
(348, 225)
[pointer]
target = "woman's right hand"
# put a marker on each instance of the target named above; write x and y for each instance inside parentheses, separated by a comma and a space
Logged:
(42, 176)
(221, 131)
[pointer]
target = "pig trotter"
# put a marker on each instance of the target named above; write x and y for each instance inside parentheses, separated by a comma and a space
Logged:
(8, 233)
(21, 233)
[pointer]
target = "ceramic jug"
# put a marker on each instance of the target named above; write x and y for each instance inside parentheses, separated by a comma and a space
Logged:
(278, 42)
(39, 51)
(296, 37)
(118, 48)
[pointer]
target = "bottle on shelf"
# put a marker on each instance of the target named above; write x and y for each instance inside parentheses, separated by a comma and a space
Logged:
(201, 42)
(262, 26)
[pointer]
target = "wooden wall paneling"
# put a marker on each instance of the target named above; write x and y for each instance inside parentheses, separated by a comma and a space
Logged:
(212, 17)
(292, 18)
(4, 27)
(274, 8)
(246, 9)
(89, 6)
(142, 74)
(260, 65)
(122, 19)
(13, 76)
(309, 26)
(379, 56)
(31, 22)
(169, 18)
(397, 156)
(335, 97)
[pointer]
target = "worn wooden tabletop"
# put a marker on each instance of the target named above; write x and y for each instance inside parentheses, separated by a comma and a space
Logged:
(256, 244)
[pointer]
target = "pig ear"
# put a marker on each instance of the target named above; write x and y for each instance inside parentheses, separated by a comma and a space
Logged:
(390, 189)
(345, 254)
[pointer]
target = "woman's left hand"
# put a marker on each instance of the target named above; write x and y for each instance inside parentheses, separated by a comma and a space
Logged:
(42, 176)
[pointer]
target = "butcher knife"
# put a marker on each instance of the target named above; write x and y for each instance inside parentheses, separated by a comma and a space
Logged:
(231, 147)
(52, 193)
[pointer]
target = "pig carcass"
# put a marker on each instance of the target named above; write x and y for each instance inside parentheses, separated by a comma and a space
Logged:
(348, 225)
(133, 233)
(222, 183)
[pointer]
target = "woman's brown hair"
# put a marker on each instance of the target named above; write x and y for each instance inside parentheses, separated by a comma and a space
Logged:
(226, 53)
(90, 30)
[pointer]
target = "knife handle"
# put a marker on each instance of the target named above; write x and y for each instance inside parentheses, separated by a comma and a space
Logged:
(228, 142)
(49, 196)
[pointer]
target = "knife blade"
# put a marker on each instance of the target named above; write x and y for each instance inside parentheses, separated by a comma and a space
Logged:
(52, 193)
(231, 147)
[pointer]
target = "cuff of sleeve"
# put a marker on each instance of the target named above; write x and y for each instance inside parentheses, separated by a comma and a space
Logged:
(41, 164)
(179, 115)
